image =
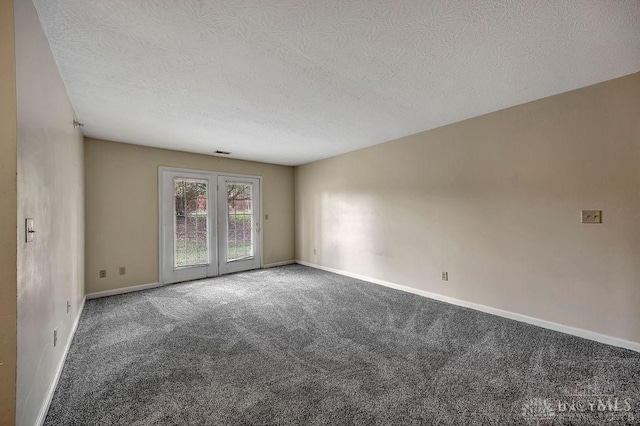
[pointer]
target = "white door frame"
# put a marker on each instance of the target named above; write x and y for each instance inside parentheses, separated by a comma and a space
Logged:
(213, 196)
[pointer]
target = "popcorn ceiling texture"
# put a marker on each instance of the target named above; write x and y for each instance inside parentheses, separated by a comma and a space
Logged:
(290, 82)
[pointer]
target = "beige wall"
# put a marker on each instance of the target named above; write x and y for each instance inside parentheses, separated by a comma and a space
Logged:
(50, 190)
(122, 209)
(496, 201)
(8, 208)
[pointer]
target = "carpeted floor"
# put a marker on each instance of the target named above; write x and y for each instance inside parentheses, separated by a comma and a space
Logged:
(295, 345)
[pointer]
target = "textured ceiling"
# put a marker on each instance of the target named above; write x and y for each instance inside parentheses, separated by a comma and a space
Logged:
(292, 81)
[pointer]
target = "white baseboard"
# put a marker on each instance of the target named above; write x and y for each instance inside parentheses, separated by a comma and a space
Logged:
(586, 334)
(121, 290)
(273, 265)
(42, 415)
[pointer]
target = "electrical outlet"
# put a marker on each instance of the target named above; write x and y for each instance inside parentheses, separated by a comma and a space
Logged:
(103, 273)
(266, 216)
(314, 251)
(445, 276)
(122, 270)
(55, 337)
(591, 216)
(68, 306)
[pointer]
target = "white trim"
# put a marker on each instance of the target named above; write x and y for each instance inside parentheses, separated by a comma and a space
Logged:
(42, 415)
(121, 290)
(160, 233)
(188, 170)
(273, 265)
(585, 334)
(260, 235)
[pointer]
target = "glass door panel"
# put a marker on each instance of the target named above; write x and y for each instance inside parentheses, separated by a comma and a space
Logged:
(240, 228)
(239, 221)
(191, 237)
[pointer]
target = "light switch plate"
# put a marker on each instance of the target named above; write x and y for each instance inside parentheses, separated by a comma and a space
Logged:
(29, 232)
(591, 216)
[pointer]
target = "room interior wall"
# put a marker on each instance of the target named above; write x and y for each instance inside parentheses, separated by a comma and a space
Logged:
(8, 210)
(50, 190)
(496, 202)
(122, 209)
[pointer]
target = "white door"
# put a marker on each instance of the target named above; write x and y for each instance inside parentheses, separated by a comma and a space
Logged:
(209, 224)
(188, 226)
(239, 223)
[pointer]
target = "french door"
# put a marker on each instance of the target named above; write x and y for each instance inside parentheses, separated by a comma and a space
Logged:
(239, 223)
(209, 224)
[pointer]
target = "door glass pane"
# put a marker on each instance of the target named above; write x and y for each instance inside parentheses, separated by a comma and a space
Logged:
(239, 220)
(191, 243)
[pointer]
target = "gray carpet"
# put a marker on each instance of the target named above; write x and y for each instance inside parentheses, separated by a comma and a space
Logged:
(294, 345)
